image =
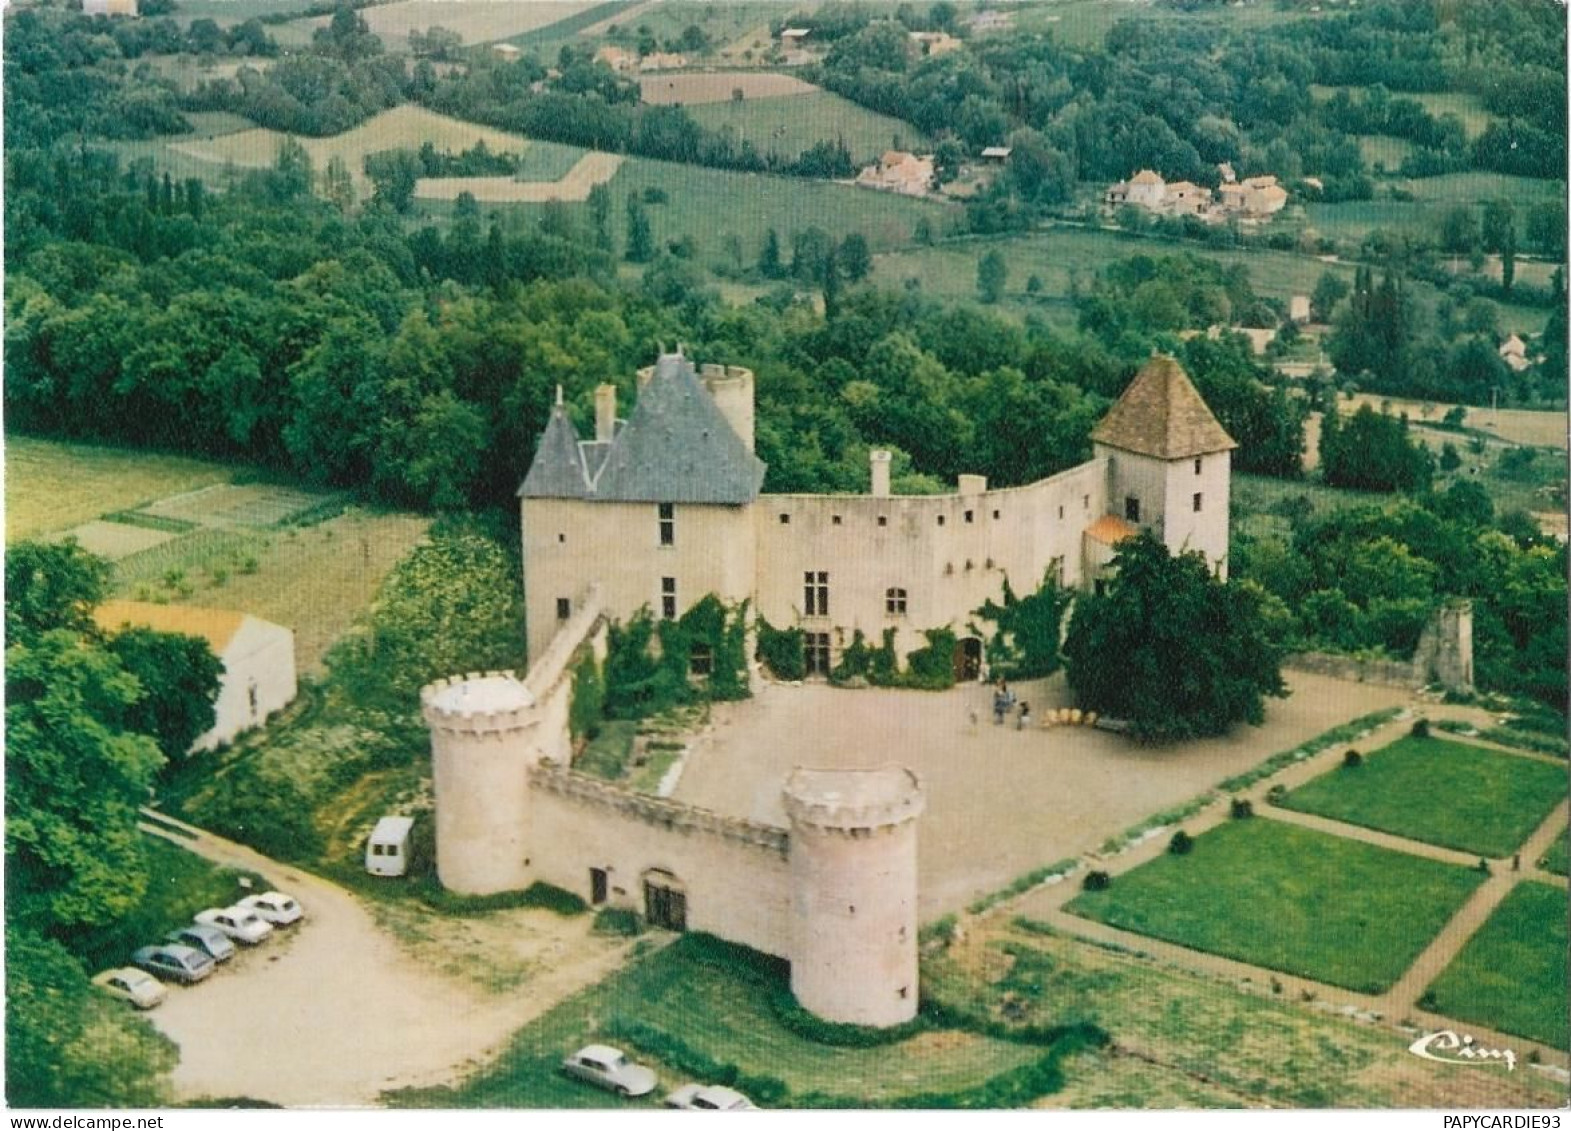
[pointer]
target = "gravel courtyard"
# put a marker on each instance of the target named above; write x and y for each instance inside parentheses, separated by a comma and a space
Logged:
(1000, 802)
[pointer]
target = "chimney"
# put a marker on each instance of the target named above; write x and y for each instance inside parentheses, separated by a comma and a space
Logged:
(605, 413)
(879, 462)
(973, 485)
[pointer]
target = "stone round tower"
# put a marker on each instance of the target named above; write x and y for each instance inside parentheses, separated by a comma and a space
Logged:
(482, 745)
(853, 893)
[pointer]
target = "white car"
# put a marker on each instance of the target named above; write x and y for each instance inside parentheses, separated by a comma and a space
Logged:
(610, 1069)
(697, 1097)
(239, 923)
(135, 986)
(275, 907)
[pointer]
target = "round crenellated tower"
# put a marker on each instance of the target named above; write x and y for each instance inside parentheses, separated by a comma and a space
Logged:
(854, 892)
(483, 741)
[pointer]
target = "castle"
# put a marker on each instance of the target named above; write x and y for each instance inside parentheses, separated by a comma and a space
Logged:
(663, 509)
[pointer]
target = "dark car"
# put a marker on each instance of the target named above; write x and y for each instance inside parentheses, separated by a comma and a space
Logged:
(175, 962)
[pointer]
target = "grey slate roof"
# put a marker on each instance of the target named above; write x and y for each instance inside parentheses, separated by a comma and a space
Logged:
(677, 447)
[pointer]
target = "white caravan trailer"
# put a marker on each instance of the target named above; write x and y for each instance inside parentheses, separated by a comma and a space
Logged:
(387, 852)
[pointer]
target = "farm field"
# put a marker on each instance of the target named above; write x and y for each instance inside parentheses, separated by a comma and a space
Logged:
(475, 21)
(573, 185)
(1289, 899)
(1511, 975)
(1468, 107)
(722, 23)
(1084, 23)
(1384, 153)
(722, 1010)
(51, 485)
(403, 127)
(702, 88)
(788, 126)
(1440, 792)
(1450, 188)
(1518, 425)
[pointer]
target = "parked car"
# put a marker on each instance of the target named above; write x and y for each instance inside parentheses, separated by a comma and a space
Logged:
(210, 940)
(698, 1097)
(135, 986)
(610, 1069)
(275, 907)
(240, 923)
(184, 964)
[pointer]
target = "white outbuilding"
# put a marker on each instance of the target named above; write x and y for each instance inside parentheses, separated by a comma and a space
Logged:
(258, 658)
(387, 852)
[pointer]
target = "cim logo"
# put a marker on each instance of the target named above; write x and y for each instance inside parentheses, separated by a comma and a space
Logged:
(1448, 1048)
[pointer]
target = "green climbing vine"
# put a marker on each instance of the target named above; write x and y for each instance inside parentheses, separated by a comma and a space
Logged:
(1027, 630)
(700, 656)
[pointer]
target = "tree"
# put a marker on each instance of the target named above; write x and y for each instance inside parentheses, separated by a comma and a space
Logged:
(854, 257)
(1373, 452)
(1508, 258)
(394, 174)
(180, 678)
(600, 215)
(1329, 290)
(1172, 649)
(770, 265)
(640, 238)
(70, 1046)
(51, 585)
(991, 275)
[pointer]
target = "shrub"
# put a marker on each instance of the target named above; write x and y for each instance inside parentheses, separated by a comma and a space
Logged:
(1240, 808)
(781, 650)
(618, 921)
(1097, 881)
(1181, 844)
(1352, 760)
(1276, 793)
(1420, 728)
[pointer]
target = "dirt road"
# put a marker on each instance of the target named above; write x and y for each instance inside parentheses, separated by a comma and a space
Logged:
(335, 1012)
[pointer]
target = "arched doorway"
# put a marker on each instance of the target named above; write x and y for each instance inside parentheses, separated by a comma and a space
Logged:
(968, 659)
(665, 900)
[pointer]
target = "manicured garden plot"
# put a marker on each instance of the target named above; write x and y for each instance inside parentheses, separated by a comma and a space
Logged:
(1511, 975)
(723, 1011)
(1555, 859)
(1291, 899)
(1445, 793)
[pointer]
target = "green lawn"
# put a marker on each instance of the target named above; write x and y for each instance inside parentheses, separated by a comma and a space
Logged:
(789, 125)
(1475, 188)
(693, 995)
(1511, 975)
(1555, 859)
(1290, 899)
(1440, 792)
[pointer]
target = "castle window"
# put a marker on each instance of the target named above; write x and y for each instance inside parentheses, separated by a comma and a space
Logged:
(668, 598)
(940, 520)
(883, 520)
(785, 520)
(815, 593)
(1060, 512)
(1197, 465)
(701, 660)
(998, 515)
(561, 537)
(895, 602)
(834, 520)
(1197, 502)
(816, 652)
(667, 524)
(970, 516)
(1132, 509)
(564, 608)
(1085, 502)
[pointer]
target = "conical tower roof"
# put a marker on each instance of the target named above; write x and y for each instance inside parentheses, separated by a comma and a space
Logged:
(1162, 415)
(558, 468)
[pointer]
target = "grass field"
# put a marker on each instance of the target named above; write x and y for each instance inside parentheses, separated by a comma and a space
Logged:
(51, 485)
(1384, 153)
(475, 21)
(701, 88)
(1289, 899)
(1555, 859)
(588, 171)
(787, 126)
(725, 1013)
(1475, 119)
(1511, 975)
(1084, 23)
(403, 127)
(1447, 793)
(1475, 188)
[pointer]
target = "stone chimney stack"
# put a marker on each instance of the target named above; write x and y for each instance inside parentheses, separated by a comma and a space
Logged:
(878, 462)
(605, 413)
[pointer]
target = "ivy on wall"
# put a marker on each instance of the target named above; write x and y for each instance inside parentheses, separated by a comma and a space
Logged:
(929, 668)
(653, 666)
(782, 650)
(1027, 630)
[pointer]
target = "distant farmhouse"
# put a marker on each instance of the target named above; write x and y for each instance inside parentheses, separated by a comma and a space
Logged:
(258, 658)
(899, 171)
(1513, 351)
(1254, 198)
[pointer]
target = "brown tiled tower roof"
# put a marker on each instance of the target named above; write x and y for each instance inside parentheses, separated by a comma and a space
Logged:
(1162, 415)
